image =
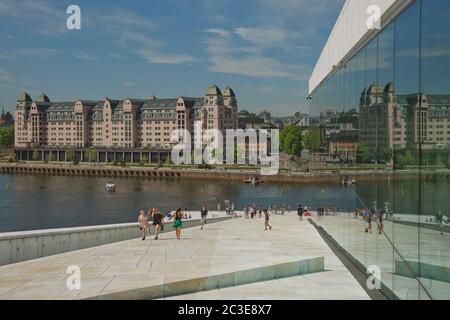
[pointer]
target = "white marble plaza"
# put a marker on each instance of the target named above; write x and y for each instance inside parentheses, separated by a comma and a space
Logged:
(125, 270)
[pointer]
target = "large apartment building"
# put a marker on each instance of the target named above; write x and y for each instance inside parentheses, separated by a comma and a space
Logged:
(382, 123)
(413, 121)
(123, 124)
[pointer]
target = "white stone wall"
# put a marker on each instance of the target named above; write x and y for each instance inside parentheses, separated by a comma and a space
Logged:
(27, 245)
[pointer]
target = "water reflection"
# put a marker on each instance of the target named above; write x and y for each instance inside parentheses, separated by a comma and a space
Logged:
(36, 202)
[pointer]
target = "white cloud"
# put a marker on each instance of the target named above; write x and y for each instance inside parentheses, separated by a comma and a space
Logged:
(297, 7)
(15, 83)
(264, 36)
(152, 56)
(84, 56)
(41, 52)
(128, 83)
(129, 29)
(126, 27)
(440, 50)
(40, 16)
(4, 75)
(127, 36)
(119, 18)
(35, 52)
(116, 56)
(138, 35)
(227, 54)
(250, 66)
(5, 86)
(221, 32)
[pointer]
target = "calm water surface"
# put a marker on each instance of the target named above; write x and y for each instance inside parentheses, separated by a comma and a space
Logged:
(30, 202)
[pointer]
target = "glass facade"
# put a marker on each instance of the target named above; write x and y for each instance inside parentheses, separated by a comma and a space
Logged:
(399, 87)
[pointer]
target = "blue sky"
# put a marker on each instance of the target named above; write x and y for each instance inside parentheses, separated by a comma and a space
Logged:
(264, 49)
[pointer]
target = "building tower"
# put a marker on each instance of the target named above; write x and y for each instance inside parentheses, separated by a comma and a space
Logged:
(214, 108)
(230, 102)
(22, 112)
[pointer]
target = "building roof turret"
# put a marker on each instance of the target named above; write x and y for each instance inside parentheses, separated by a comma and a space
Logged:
(213, 91)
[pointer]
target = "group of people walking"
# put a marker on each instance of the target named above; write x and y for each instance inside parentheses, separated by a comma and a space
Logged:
(143, 221)
(370, 216)
(157, 221)
(252, 211)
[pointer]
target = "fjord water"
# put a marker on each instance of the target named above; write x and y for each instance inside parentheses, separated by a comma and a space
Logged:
(31, 202)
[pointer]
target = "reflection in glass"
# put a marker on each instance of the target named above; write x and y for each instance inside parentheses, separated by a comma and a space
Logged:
(435, 85)
(399, 83)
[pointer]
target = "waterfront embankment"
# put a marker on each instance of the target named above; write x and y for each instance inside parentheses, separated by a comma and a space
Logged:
(335, 176)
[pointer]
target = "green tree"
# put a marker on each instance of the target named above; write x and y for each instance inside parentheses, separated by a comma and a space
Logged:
(409, 159)
(35, 155)
(144, 159)
(403, 159)
(93, 155)
(7, 137)
(388, 153)
(399, 162)
(49, 157)
(70, 155)
(362, 153)
(312, 140)
(291, 140)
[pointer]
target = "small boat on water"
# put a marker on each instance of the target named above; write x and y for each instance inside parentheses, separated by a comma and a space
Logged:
(348, 181)
(253, 180)
(110, 187)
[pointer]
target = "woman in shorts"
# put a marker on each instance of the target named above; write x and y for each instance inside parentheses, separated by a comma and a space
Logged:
(157, 221)
(143, 223)
(178, 223)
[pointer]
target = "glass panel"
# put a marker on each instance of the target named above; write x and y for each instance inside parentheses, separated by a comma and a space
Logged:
(406, 206)
(385, 190)
(435, 85)
(373, 128)
(399, 83)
